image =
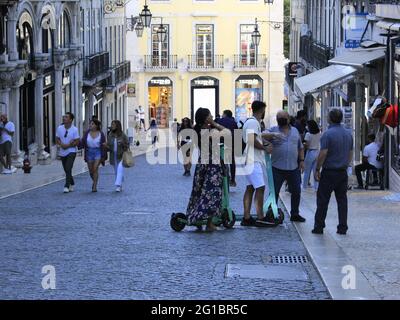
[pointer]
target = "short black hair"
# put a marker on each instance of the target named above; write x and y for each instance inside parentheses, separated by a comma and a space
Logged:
(313, 127)
(228, 113)
(257, 106)
(301, 114)
(71, 115)
(372, 136)
(336, 115)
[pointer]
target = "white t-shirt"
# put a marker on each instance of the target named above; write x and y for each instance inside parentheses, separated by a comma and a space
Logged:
(313, 140)
(93, 143)
(4, 135)
(371, 151)
(66, 138)
(141, 113)
(252, 125)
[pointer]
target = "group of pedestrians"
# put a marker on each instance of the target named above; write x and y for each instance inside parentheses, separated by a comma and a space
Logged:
(96, 148)
(331, 152)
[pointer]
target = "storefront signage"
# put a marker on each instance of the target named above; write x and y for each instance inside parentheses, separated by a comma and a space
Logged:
(251, 82)
(205, 82)
(131, 90)
(354, 25)
(160, 82)
(48, 80)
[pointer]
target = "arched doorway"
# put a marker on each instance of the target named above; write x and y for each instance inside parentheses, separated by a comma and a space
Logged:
(25, 45)
(205, 94)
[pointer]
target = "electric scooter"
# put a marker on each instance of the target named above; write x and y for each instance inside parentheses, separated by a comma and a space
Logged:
(270, 207)
(227, 218)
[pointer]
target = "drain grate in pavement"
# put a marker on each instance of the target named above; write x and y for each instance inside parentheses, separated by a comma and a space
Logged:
(288, 259)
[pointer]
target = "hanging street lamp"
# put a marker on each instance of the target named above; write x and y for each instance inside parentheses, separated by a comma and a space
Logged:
(146, 16)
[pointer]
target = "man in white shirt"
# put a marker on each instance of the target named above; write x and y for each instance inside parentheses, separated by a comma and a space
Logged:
(7, 129)
(67, 138)
(255, 166)
(369, 160)
(142, 116)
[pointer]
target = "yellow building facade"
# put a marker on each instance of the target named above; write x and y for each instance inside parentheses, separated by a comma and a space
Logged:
(207, 60)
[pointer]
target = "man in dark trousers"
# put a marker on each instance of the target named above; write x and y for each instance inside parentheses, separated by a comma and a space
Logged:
(334, 159)
(228, 121)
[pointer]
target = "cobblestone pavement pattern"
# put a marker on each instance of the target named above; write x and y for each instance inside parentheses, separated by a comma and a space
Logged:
(120, 246)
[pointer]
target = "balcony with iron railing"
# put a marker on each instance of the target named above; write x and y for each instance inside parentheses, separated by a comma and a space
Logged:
(96, 65)
(119, 73)
(314, 53)
(255, 62)
(206, 63)
(156, 63)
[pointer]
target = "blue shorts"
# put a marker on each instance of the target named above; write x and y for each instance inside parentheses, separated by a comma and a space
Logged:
(93, 154)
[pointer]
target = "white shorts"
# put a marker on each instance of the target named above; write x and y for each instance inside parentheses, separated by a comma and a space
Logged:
(255, 175)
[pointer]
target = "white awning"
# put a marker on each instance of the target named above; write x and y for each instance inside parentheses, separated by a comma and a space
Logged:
(328, 77)
(359, 57)
(389, 25)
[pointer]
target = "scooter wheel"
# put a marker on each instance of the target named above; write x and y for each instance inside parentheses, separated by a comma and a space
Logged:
(175, 223)
(228, 224)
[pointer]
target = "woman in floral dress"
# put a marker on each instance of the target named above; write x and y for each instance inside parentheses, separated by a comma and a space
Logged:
(206, 198)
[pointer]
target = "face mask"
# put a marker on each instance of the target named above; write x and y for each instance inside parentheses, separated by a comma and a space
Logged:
(282, 122)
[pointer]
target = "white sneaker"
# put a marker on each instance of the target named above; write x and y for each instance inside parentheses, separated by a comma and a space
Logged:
(71, 188)
(66, 190)
(7, 171)
(118, 189)
(13, 169)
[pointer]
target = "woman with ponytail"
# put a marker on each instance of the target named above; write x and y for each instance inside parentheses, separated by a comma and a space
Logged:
(206, 197)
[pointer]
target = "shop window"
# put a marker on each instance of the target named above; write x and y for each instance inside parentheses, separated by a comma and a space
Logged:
(24, 41)
(160, 101)
(247, 90)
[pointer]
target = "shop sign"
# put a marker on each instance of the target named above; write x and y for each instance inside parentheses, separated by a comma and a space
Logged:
(251, 82)
(48, 80)
(204, 83)
(160, 82)
(354, 25)
(132, 90)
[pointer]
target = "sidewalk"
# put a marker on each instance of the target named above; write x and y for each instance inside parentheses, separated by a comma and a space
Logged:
(45, 174)
(371, 244)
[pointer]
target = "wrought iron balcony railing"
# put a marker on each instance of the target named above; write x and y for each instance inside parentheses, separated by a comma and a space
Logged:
(167, 62)
(122, 72)
(250, 61)
(96, 64)
(315, 53)
(206, 62)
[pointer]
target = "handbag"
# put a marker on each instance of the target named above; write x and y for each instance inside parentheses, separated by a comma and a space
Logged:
(127, 159)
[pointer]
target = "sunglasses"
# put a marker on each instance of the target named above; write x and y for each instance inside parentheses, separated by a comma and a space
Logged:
(66, 134)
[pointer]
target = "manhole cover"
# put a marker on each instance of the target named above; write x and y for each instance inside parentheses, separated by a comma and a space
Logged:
(287, 259)
(271, 272)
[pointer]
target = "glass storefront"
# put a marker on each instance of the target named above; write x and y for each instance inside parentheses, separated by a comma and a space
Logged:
(247, 90)
(205, 94)
(160, 101)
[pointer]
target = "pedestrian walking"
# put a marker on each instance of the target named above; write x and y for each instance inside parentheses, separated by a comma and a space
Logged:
(7, 129)
(369, 161)
(67, 138)
(93, 143)
(228, 121)
(288, 162)
(186, 140)
(206, 197)
(142, 117)
(117, 143)
(153, 132)
(300, 123)
(334, 159)
(255, 166)
(312, 145)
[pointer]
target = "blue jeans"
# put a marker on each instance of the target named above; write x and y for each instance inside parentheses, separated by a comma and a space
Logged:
(293, 178)
(310, 163)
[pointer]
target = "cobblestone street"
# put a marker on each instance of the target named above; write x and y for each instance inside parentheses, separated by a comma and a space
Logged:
(120, 246)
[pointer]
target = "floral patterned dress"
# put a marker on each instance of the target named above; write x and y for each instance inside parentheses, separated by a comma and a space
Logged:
(206, 198)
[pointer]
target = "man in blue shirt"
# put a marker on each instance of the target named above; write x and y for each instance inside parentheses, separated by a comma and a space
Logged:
(288, 162)
(334, 159)
(228, 121)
